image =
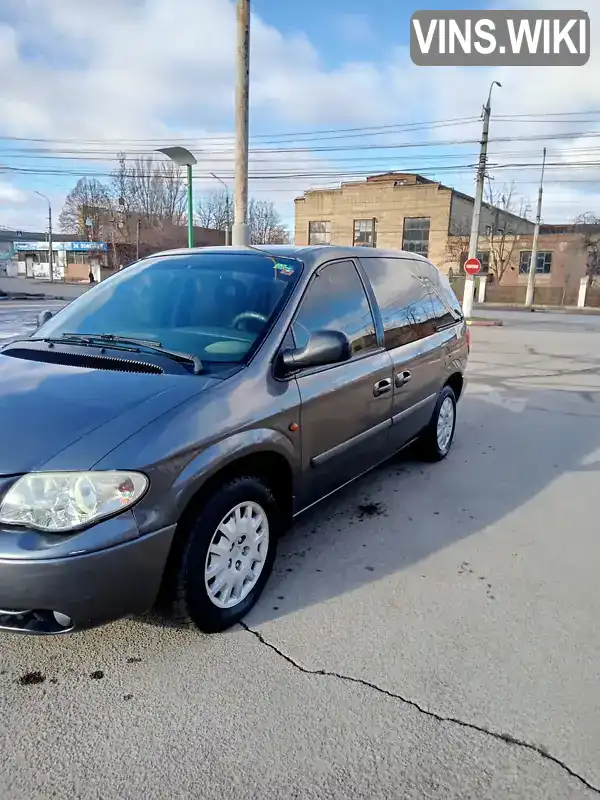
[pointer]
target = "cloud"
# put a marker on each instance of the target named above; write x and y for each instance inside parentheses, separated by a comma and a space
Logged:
(10, 194)
(132, 70)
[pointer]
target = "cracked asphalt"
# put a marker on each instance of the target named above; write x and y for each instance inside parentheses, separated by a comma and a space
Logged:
(430, 632)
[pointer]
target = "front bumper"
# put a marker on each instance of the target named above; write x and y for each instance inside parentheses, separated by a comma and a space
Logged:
(89, 588)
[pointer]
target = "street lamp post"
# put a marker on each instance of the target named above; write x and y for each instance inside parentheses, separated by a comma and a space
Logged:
(183, 158)
(50, 255)
(227, 224)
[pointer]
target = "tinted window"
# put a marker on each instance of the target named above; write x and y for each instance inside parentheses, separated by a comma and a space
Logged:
(440, 313)
(447, 293)
(336, 300)
(398, 294)
(444, 306)
(215, 306)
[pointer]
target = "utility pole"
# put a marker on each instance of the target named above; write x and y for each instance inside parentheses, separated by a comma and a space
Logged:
(241, 233)
(481, 174)
(137, 239)
(50, 254)
(227, 218)
(536, 236)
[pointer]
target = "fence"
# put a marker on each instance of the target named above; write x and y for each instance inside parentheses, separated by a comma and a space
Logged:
(543, 295)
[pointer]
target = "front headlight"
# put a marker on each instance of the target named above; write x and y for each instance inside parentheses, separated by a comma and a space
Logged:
(62, 501)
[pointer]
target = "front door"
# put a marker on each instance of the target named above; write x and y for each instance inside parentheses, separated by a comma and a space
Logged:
(346, 408)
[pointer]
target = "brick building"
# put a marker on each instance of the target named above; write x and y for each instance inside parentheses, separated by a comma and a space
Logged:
(410, 212)
(397, 211)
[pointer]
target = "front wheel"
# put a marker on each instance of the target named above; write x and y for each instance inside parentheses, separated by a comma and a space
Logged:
(436, 440)
(228, 557)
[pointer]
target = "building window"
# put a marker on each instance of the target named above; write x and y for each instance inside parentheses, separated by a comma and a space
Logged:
(543, 266)
(365, 233)
(484, 258)
(416, 235)
(319, 232)
(76, 258)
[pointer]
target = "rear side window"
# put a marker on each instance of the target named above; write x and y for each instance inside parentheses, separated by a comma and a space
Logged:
(447, 292)
(336, 300)
(400, 296)
(445, 308)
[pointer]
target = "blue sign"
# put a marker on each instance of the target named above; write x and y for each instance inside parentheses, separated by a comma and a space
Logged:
(71, 246)
(86, 246)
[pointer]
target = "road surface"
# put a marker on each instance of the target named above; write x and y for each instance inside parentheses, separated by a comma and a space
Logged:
(19, 318)
(431, 632)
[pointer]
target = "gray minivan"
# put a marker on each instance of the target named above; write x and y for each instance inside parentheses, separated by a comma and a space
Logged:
(161, 431)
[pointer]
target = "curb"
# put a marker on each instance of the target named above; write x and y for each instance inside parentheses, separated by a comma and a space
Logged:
(485, 323)
(574, 310)
(26, 296)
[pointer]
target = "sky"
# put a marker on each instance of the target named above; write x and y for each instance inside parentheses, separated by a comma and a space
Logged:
(82, 80)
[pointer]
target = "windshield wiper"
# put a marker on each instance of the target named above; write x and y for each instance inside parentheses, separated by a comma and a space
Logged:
(130, 344)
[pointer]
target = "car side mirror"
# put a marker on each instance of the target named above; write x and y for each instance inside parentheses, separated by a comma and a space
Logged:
(322, 348)
(43, 317)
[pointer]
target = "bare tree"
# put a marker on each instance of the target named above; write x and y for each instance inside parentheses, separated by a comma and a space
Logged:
(85, 208)
(457, 251)
(508, 223)
(154, 190)
(589, 224)
(213, 210)
(266, 226)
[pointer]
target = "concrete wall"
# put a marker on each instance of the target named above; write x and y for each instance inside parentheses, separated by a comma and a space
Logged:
(389, 204)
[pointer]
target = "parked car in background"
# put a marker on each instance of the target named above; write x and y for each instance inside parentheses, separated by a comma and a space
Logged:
(161, 431)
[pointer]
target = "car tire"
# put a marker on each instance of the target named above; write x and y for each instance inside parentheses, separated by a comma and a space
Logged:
(436, 441)
(244, 567)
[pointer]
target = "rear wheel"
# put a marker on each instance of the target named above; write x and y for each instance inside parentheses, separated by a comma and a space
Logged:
(436, 440)
(228, 556)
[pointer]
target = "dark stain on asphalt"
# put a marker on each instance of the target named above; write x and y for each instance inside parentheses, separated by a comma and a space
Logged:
(127, 697)
(31, 678)
(370, 510)
(97, 675)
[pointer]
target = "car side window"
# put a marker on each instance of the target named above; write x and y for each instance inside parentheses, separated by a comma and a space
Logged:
(336, 300)
(400, 296)
(441, 310)
(442, 315)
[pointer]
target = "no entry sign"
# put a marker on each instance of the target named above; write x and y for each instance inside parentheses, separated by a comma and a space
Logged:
(472, 266)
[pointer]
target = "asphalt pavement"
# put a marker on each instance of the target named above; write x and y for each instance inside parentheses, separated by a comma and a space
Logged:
(431, 632)
(19, 317)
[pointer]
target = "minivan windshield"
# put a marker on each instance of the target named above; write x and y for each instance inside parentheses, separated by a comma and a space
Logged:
(216, 306)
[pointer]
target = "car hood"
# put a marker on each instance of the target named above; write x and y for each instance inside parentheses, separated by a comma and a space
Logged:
(45, 408)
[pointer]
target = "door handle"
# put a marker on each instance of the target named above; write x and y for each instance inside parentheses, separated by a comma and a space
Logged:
(382, 387)
(402, 378)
